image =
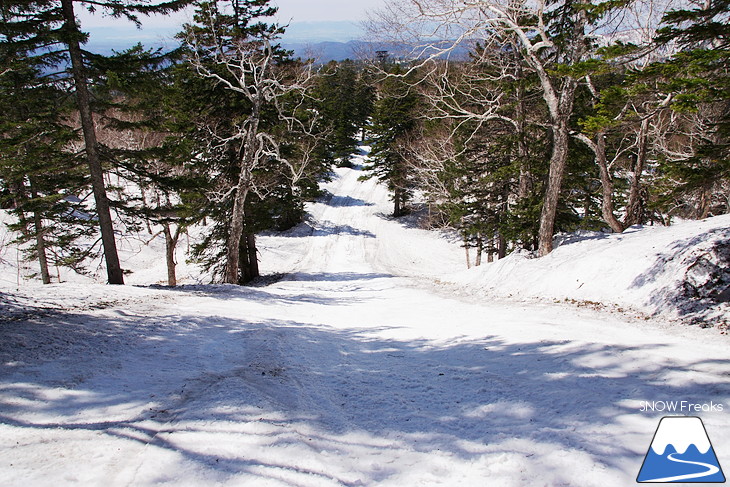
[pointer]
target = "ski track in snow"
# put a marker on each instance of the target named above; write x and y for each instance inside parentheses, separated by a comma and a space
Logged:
(356, 368)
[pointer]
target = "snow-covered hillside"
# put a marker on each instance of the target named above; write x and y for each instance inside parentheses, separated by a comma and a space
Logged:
(680, 272)
(372, 360)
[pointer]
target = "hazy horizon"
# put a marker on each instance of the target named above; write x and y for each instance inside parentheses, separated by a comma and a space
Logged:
(309, 23)
(123, 35)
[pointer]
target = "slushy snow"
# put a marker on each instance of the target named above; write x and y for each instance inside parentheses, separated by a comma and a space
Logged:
(368, 361)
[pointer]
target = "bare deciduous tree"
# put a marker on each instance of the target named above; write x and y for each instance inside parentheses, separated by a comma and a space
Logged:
(249, 68)
(493, 23)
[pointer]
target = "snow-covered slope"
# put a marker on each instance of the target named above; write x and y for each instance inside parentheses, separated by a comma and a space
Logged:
(358, 367)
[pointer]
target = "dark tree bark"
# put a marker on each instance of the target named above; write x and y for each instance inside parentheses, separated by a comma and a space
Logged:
(171, 240)
(635, 205)
(83, 101)
(466, 252)
(248, 159)
(607, 209)
(248, 259)
(501, 246)
(560, 106)
(233, 254)
(479, 251)
(397, 203)
(252, 265)
(40, 243)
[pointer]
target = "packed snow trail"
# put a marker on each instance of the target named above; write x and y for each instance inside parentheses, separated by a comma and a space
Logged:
(356, 368)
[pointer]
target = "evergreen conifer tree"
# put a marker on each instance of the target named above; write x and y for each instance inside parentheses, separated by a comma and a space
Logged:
(698, 76)
(49, 31)
(393, 124)
(39, 176)
(345, 99)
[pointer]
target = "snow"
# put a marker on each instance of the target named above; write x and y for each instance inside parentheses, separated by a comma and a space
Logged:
(369, 362)
(650, 270)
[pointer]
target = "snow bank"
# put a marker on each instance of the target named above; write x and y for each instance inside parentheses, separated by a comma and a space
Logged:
(680, 272)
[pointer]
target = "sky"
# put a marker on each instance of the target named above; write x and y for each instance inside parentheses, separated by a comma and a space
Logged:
(308, 20)
(325, 10)
(289, 10)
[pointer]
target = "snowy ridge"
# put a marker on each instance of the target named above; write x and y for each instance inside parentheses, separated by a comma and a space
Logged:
(680, 432)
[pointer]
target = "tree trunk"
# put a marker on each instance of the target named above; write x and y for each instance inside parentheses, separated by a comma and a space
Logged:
(40, 245)
(233, 254)
(466, 251)
(251, 270)
(40, 241)
(248, 259)
(248, 159)
(703, 209)
(480, 249)
(607, 210)
(560, 109)
(501, 246)
(558, 161)
(397, 203)
(635, 207)
(170, 246)
(525, 183)
(83, 101)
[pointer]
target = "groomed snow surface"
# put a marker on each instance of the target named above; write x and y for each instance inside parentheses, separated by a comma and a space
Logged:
(373, 360)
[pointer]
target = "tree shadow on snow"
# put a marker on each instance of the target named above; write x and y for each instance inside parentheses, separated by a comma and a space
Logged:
(15, 307)
(261, 293)
(339, 201)
(336, 276)
(344, 201)
(284, 384)
(704, 281)
(325, 228)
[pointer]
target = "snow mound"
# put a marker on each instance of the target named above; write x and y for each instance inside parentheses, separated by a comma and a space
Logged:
(677, 272)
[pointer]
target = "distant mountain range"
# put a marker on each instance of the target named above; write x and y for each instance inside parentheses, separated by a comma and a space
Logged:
(322, 41)
(326, 51)
(325, 37)
(329, 31)
(323, 52)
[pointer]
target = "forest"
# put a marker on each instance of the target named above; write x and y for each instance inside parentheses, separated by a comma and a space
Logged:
(492, 249)
(508, 122)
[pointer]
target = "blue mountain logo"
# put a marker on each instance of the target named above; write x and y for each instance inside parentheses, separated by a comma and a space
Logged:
(681, 452)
